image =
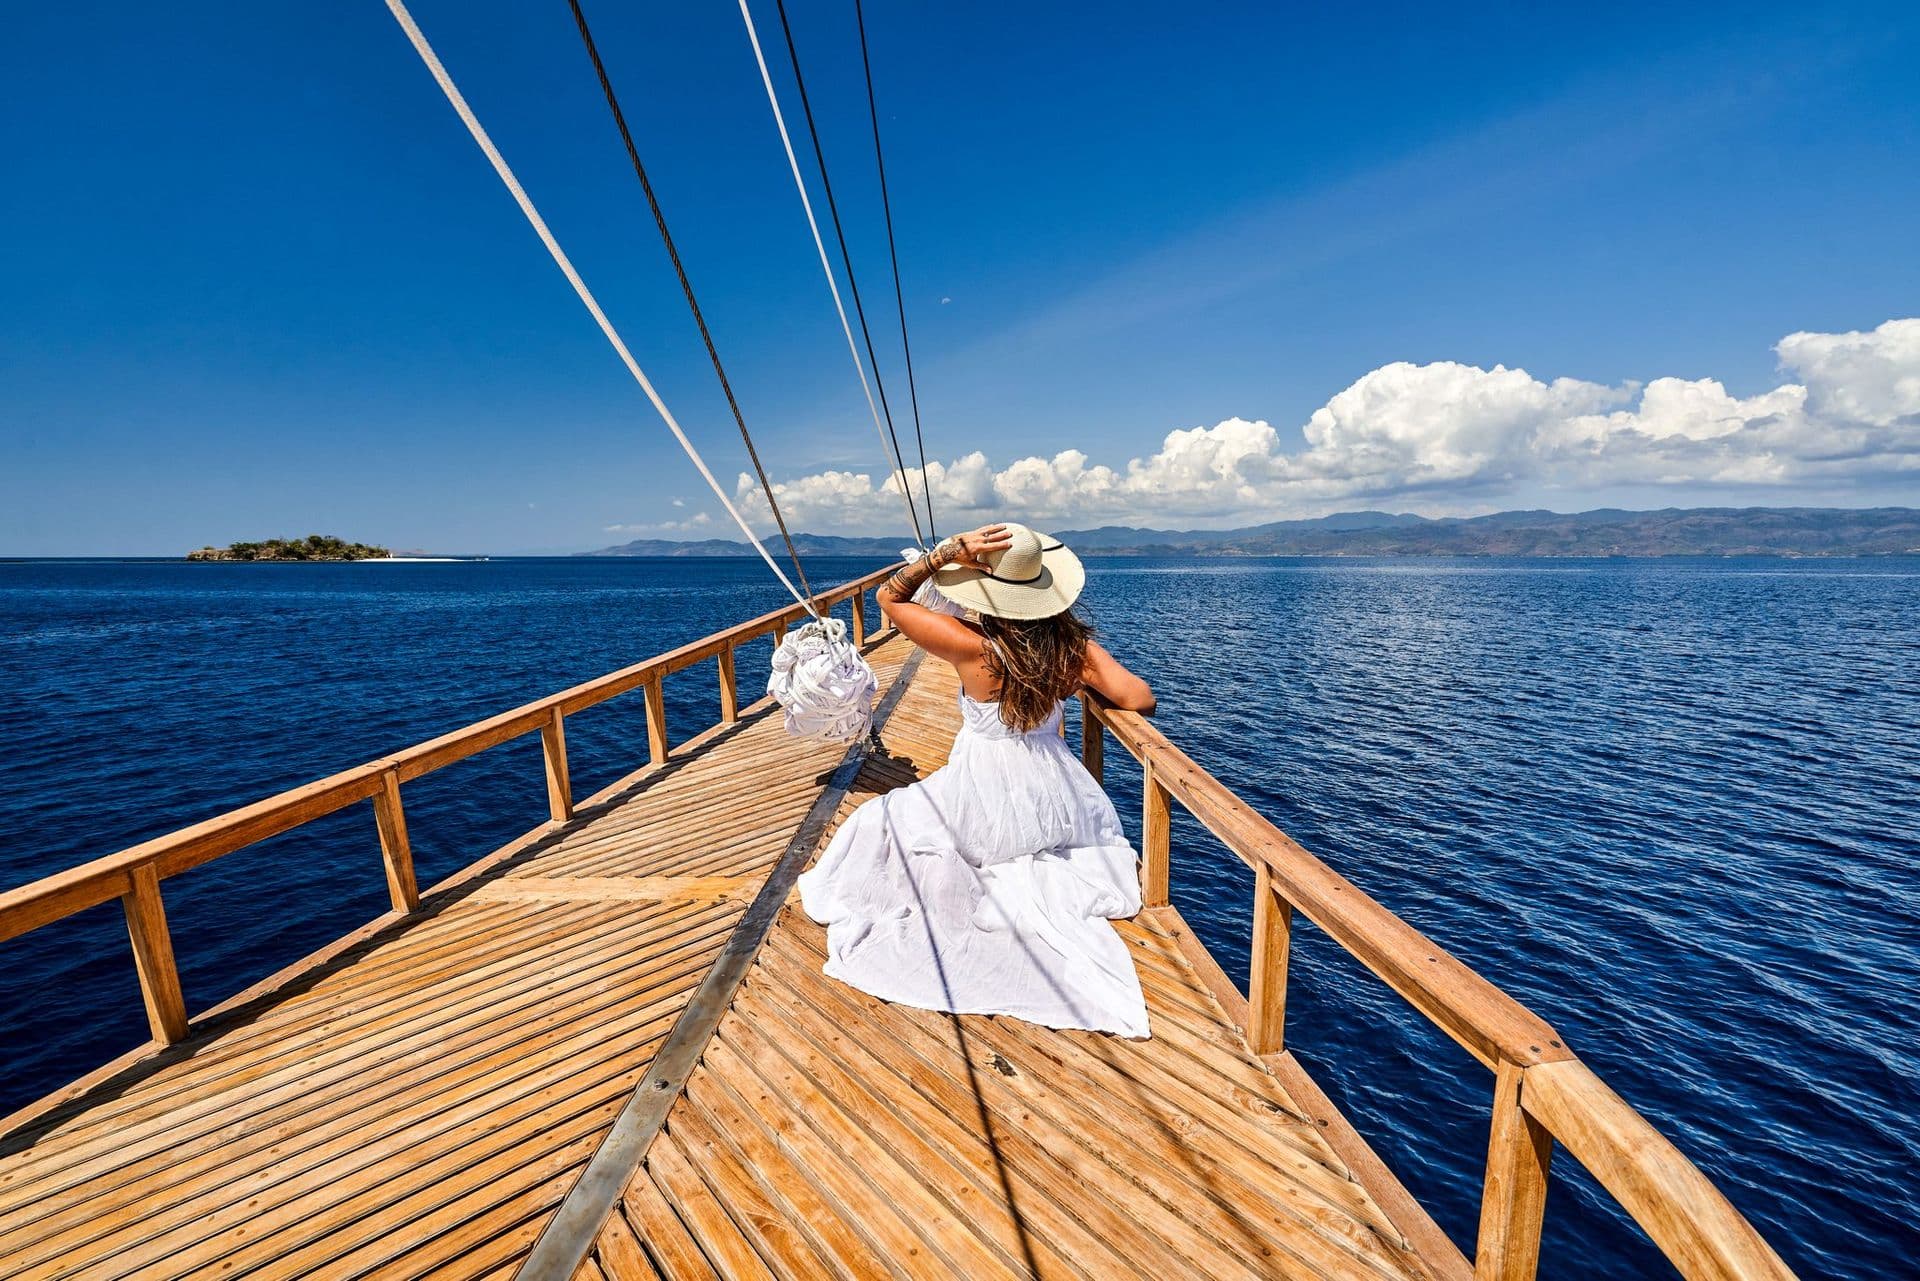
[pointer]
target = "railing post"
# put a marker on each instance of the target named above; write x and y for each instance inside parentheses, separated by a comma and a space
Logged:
(859, 602)
(395, 850)
(1092, 741)
(1513, 1204)
(729, 688)
(1156, 836)
(153, 956)
(779, 634)
(1267, 993)
(553, 745)
(656, 722)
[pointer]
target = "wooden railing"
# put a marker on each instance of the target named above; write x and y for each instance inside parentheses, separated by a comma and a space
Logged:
(133, 875)
(1542, 1091)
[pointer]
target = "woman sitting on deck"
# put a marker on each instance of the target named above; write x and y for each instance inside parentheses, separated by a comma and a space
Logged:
(985, 888)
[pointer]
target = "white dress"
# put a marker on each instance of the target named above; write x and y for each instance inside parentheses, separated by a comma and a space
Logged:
(985, 888)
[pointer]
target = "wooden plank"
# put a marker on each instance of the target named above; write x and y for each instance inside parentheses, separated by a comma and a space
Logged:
(897, 1104)
(734, 1122)
(1267, 994)
(775, 1232)
(625, 889)
(858, 601)
(1691, 1221)
(569, 1236)
(1030, 1135)
(362, 1139)
(720, 1238)
(1156, 841)
(1169, 921)
(345, 1060)
(1426, 1238)
(622, 1255)
(668, 1243)
(1513, 1205)
(203, 1176)
(1227, 1135)
(656, 722)
(729, 688)
(396, 851)
(153, 956)
(553, 750)
(882, 1200)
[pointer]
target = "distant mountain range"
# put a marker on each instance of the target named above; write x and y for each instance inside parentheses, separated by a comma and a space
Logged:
(1673, 531)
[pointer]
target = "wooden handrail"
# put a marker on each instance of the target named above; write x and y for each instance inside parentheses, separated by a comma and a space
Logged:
(133, 874)
(1543, 1091)
(1691, 1220)
(1491, 1025)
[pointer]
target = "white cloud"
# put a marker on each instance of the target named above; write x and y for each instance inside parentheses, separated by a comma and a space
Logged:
(1446, 434)
(695, 523)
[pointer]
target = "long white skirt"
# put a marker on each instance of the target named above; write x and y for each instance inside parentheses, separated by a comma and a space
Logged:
(985, 888)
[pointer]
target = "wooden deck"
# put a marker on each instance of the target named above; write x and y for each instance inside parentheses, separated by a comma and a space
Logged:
(418, 1102)
(828, 1134)
(607, 1051)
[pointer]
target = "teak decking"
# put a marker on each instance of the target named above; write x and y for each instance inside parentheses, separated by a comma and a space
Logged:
(608, 1051)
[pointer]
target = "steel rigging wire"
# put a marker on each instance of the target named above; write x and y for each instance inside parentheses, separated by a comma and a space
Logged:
(893, 253)
(833, 285)
(686, 286)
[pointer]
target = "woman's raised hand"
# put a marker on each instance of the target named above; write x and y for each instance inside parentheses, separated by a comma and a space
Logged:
(971, 548)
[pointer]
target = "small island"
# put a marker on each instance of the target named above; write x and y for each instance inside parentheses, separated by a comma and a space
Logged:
(312, 547)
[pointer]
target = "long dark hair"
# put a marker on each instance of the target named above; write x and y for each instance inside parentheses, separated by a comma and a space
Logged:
(1037, 662)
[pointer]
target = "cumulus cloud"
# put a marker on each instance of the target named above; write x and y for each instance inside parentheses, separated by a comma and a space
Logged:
(1445, 433)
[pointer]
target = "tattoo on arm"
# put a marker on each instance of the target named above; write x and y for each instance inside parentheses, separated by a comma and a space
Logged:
(907, 579)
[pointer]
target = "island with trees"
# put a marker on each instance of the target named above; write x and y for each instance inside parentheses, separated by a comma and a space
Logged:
(314, 547)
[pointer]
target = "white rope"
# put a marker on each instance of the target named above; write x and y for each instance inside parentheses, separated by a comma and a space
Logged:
(825, 685)
(432, 61)
(859, 367)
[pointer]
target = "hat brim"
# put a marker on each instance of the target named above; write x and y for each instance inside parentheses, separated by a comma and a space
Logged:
(1058, 585)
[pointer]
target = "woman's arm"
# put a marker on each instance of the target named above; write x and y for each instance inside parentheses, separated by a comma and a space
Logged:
(1122, 688)
(941, 635)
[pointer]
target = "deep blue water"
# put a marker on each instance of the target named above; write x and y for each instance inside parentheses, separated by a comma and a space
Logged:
(1674, 806)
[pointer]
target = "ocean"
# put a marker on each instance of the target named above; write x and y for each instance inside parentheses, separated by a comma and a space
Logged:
(1673, 806)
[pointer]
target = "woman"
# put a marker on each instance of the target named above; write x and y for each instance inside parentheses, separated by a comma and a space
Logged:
(984, 888)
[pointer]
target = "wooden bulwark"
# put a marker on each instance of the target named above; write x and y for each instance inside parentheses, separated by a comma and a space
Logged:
(421, 1101)
(52, 898)
(1542, 1091)
(421, 1098)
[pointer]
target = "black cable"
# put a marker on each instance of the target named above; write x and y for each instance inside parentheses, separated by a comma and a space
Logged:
(846, 258)
(660, 220)
(899, 298)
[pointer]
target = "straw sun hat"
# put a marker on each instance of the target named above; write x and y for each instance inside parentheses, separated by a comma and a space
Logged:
(1034, 577)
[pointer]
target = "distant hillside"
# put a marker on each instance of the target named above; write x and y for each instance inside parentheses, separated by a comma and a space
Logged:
(1674, 531)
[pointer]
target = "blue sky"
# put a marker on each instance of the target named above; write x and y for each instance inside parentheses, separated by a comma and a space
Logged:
(259, 281)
